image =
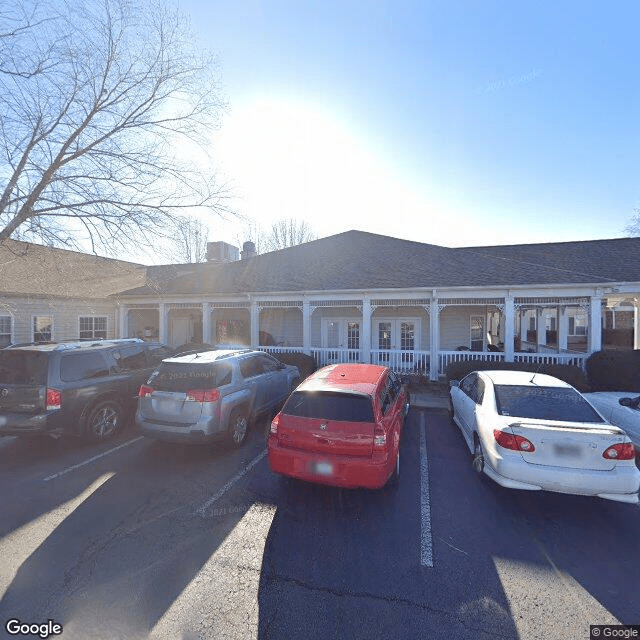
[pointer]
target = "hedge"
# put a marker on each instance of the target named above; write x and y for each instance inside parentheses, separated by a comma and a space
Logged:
(614, 370)
(571, 374)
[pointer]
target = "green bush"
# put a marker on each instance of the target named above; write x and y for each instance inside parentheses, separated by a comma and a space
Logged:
(614, 370)
(571, 374)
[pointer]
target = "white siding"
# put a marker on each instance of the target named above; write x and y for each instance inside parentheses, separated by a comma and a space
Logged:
(455, 326)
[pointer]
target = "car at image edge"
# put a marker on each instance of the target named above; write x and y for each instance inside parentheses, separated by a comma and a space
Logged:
(341, 427)
(534, 432)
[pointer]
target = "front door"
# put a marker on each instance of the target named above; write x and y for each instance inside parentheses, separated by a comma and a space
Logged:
(341, 334)
(396, 334)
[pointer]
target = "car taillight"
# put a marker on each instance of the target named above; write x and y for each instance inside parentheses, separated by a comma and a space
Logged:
(379, 437)
(623, 451)
(515, 443)
(54, 399)
(145, 391)
(275, 423)
(203, 395)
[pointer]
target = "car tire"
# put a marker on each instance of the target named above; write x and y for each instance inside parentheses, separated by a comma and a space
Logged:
(104, 421)
(237, 428)
(477, 461)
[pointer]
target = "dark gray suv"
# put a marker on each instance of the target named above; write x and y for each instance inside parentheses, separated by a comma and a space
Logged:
(78, 388)
(213, 395)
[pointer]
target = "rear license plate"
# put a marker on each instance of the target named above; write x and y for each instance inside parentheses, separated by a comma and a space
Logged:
(322, 468)
(567, 450)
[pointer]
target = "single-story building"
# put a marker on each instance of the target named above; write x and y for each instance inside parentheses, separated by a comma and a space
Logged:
(362, 297)
(351, 297)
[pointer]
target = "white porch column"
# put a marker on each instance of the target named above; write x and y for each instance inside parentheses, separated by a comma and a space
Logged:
(595, 324)
(255, 324)
(434, 339)
(365, 342)
(163, 323)
(206, 322)
(509, 323)
(563, 329)
(123, 321)
(524, 325)
(306, 327)
(539, 323)
(636, 323)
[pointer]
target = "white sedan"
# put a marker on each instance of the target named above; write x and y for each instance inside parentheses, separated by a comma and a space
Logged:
(621, 408)
(533, 431)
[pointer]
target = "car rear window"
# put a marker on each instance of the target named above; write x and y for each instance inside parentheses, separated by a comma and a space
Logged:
(544, 403)
(23, 367)
(329, 405)
(172, 376)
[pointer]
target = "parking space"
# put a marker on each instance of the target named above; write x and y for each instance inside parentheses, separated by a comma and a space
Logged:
(165, 540)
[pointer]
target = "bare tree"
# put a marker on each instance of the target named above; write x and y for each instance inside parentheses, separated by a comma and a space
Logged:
(101, 108)
(633, 228)
(188, 243)
(288, 232)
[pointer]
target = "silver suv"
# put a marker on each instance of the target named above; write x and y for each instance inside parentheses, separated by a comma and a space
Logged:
(212, 395)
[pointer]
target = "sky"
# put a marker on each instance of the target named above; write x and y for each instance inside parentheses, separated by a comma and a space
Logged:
(451, 123)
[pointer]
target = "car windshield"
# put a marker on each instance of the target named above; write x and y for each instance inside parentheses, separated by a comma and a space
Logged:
(330, 405)
(544, 403)
(23, 367)
(173, 376)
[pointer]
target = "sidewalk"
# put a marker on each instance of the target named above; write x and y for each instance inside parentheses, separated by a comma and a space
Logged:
(430, 395)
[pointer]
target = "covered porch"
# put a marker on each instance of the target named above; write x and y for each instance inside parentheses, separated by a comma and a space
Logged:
(412, 333)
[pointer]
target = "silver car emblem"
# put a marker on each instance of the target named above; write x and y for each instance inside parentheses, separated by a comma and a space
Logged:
(4, 393)
(323, 427)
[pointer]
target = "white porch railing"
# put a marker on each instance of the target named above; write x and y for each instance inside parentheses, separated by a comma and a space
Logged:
(275, 350)
(447, 357)
(329, 355)
(402, 361)
(576, 359)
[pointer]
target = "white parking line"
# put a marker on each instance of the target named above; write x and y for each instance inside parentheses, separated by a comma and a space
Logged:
(90, 460)
(426, 543)
(203, 509)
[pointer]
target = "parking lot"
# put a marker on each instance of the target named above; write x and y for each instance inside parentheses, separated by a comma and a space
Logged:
(138, 539)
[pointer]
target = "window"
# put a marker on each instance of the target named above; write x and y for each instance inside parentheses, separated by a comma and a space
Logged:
(328, 405)
(93, 327)
(5, 331)
(179, 377)
(477, 333)
(578, 325)
(83, 366)
(42, 328)
(131, 358)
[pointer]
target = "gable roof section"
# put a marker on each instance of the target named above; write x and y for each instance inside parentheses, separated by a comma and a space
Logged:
(31, 269)
(359, 260)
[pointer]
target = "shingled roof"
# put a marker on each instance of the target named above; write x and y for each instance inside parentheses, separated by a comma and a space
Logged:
(31, 269)
(359, 260)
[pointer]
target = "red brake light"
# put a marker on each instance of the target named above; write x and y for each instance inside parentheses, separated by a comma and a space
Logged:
(515, 443)
(145, 391)
(275, 423)
(54, 399)
(623, 451)
(203, 395)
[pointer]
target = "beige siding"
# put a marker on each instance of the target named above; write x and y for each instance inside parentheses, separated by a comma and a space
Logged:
(455, 326)
(65, 315)
(285, 325)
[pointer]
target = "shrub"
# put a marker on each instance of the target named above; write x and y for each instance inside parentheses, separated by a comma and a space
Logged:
(617, 370)
(306, 364)
(571, 374)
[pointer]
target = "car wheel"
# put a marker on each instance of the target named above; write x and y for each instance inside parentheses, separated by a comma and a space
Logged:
(478, 455)
(238, 427)
(104, 420)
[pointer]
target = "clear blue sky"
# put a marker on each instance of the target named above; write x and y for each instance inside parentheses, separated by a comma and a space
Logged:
(465, 123)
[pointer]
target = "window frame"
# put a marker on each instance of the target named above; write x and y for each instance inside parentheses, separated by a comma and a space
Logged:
(33, 328)
(11, 327)
(93, 329)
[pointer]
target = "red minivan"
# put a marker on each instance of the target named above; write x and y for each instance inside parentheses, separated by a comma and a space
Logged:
(341, 427)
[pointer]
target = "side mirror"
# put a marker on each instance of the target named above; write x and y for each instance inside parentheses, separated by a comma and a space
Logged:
(454, 383)
(630, 402)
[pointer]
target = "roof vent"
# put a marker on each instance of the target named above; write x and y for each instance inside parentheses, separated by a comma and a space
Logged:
(248, 250)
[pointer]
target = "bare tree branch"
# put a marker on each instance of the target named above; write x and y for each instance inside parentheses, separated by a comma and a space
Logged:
(633, 228)
(107, 142)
